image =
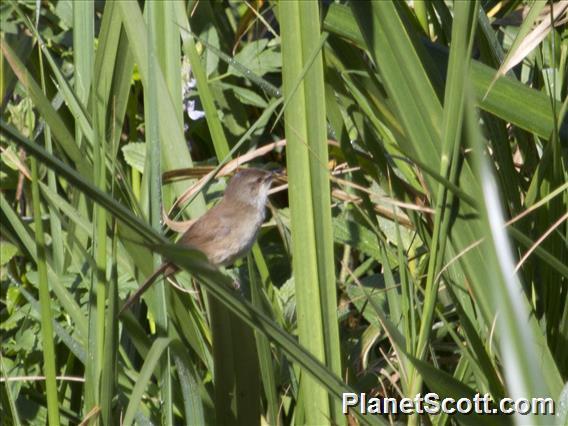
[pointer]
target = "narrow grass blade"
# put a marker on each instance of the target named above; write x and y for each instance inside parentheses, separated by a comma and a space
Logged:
(267, 371)
(55, 222)
(193, 404)
(64, 297)
(205, 94)
(462, 37)
(152, 358)
(156, 14)
(171, 129)
(52, 119)
(527, 39)
(215, 282)
(111, 344)
(509, 99)
(49, 360)
(7, 398)
(521, 341)
(312, 247)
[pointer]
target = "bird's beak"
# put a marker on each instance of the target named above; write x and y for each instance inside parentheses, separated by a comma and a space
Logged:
(277, 173)
(269, 177)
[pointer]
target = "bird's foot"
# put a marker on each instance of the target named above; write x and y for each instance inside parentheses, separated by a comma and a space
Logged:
(236, 284)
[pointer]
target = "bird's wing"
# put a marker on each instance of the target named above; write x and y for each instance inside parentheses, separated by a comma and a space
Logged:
(208, 230)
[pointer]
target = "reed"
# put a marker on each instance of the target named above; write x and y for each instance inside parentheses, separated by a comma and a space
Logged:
(418, 241)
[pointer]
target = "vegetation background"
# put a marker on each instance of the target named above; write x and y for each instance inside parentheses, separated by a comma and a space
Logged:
(416, 242)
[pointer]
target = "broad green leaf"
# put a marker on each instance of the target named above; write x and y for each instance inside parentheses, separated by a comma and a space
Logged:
(135, 155)
(7, 252)
(259, 57)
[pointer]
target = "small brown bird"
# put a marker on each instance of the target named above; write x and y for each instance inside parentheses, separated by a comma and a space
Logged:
(227, 231)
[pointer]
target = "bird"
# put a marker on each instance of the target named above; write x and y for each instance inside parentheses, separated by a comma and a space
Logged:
(228, 230)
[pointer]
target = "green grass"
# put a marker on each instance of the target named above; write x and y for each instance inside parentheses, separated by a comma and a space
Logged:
(420, 244)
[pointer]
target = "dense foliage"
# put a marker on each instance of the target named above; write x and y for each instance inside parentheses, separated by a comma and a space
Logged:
(416, 239)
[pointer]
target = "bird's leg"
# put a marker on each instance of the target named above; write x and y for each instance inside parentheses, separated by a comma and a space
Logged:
(236, 284)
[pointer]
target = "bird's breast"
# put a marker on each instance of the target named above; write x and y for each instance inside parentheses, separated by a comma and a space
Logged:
(241, 237)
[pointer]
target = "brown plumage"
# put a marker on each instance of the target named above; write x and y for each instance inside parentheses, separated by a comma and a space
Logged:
(228, 230)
